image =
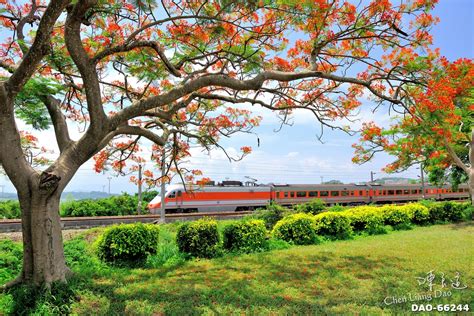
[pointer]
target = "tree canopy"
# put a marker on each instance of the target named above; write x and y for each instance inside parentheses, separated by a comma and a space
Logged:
(178, 73)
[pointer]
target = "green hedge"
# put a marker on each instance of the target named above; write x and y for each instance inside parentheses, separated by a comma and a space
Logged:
(420, 214)
(314, 206)
(199, 238)
(245, 236)
(10, 209)
(128, 242)
(333, 225)
(124, 204)
(448, 211)
(367, 220)
(271, 214)
(299, 229)
(396, 216)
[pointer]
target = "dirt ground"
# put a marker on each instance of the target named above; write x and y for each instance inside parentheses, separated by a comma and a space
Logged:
(67, 234)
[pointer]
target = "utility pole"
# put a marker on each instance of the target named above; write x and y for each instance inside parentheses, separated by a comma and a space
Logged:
(162, 190)
(422, 181)
(372, 176)
(139, 208)
(109, 178)
(322, 179)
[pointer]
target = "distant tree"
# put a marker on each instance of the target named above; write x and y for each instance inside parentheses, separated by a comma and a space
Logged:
(178, 72)
(333, 182)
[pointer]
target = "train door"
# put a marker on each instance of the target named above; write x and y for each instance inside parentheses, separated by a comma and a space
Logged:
(179, 199)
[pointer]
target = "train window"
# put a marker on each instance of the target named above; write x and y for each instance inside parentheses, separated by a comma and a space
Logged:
(323, 193)
(286, 194)
(180, 193)
(172, 195)
(398, 192)
(390, 192)
(352, 193)
(334, 193)
(344, 193)
(292, 194)
(361, 193)
(300, 194)
(312, 194)
(414, 191)
(406, 191)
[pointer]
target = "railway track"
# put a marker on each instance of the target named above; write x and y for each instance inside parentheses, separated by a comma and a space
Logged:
(14, 225)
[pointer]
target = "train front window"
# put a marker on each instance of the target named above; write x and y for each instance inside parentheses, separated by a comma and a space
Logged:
(172, 195)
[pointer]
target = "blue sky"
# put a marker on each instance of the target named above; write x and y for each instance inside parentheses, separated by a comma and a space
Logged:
(294, 154)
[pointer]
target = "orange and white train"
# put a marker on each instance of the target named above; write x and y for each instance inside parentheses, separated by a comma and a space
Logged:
(231, 196)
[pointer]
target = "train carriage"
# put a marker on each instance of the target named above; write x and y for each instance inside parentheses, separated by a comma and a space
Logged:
(230, 196)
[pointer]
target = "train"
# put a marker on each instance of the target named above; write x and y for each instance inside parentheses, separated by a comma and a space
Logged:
(234, 196)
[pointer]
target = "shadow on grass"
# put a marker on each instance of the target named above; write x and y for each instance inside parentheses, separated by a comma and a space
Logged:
(462, 225)
(265, 283)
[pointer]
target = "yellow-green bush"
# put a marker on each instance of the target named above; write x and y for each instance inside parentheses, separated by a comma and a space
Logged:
(396, 216)
(420, 214)
(128, 242)
(334, 225)
(366, 219)
(199, 238)
(245, 236)
(299, 229)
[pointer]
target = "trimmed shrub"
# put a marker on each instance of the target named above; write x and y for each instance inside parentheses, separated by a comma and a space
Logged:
(441, 212)
(245, 236)
(336, 208)
(199, 238)
(128, 242)
(333, 225)
(299, 229)
(368, 220)
(419, 213)
(271, 214)
(315, 206)
(467, 210)
(396, 217)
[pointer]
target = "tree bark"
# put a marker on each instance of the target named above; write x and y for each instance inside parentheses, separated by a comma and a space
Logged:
(43, 252)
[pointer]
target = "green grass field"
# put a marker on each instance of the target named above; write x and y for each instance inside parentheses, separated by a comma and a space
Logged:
(342, 277)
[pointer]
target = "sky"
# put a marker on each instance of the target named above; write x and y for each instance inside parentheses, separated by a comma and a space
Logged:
(294, 154)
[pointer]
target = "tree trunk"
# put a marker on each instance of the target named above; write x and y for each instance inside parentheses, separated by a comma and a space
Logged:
(43, 252)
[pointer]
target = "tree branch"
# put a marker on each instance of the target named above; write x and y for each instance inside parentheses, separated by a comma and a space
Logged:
(85, 65)
(59, 122)
(39, 48)
(139, 131)
(455, 157)
(225, 81)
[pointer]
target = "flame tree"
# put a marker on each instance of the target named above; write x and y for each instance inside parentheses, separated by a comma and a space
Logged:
(184, 72)
(434, 125)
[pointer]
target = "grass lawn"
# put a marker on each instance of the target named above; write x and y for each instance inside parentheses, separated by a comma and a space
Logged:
(348, 277)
